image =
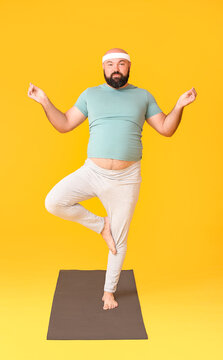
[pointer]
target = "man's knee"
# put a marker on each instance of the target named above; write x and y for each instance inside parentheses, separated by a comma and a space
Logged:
(50, 203)
(56, 204)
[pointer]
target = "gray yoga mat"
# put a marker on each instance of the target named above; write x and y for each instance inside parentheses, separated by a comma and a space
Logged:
(77, 310)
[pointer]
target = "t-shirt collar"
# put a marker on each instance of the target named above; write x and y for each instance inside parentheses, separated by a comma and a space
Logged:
(129, 86)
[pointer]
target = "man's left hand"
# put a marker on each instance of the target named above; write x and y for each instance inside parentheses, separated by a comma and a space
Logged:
(187, 98)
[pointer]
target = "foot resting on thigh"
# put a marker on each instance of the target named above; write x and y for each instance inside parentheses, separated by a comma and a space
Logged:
(106, 234)
(109, 301)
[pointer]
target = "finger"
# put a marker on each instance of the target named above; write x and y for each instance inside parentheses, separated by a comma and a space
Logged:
(30, 90)
(194, 92)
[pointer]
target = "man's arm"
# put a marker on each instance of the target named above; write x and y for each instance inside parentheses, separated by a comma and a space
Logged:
(55, 116)
(63, 122)
(157, 121)
(172, 120)
(168, 124)
(74, 118)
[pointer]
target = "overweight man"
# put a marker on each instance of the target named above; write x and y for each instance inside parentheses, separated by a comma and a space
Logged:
(116, 111)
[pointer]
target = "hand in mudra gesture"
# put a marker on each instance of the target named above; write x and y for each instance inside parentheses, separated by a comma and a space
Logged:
(187, 98)
(36, 93)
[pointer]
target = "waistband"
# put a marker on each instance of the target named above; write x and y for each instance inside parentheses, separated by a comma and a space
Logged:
(126, 170)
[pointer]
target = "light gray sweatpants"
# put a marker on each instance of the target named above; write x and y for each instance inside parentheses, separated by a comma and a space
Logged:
(118, 190)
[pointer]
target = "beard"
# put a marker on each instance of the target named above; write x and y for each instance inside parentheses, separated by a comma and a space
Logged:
(117, 81)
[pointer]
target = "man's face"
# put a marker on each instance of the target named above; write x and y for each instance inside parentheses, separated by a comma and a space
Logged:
(116, 72)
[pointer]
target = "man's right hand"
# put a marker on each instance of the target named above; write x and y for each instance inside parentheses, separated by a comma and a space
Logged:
(36, 94)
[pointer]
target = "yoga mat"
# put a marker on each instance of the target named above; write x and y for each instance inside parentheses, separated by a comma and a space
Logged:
(77, 310)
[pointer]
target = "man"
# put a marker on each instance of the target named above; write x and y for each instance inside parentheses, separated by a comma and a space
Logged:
(116, 111)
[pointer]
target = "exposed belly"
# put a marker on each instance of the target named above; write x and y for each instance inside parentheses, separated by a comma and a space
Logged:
(112, 164)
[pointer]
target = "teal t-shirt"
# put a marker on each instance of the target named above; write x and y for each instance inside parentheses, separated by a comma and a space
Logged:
(116, 118)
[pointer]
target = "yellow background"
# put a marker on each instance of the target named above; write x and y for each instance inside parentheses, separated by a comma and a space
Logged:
(175, 242)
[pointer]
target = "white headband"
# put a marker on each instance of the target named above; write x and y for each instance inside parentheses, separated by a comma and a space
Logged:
(116, 55)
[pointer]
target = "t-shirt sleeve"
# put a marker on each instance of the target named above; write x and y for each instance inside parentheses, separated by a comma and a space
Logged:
(152, 106)
(81, 103)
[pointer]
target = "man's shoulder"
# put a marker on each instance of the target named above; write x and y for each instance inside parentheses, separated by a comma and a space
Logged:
(96, 87)
(140, 90)
(92, 90)
(143, 90)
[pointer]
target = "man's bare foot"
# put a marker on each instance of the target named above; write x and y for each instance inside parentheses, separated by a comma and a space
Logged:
(109, 301)
(106, 234)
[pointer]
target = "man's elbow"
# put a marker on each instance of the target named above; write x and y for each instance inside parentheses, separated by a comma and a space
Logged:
(164, 131)
(63, 131)
(168, 133)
